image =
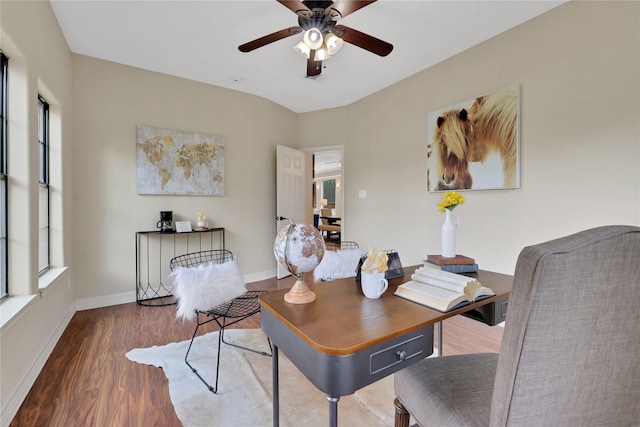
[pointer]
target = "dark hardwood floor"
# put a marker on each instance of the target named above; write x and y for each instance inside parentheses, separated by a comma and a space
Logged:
(88, 381)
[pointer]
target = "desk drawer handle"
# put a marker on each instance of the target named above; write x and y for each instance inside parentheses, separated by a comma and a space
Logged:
(402, 355)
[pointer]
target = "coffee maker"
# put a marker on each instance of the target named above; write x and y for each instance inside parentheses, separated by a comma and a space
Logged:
(166, 221)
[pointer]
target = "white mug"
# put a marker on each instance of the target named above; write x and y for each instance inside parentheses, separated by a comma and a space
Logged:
(373, 284)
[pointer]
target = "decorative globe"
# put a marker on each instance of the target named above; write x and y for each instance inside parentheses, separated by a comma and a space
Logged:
(299, 248)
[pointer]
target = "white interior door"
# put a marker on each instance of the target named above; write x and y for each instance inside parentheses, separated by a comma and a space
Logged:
(289, 190)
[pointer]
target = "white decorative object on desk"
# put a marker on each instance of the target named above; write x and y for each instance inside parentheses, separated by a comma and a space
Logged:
(299, 248)
(450, 200)
(448, 235)
(373, 284)
(372, 273)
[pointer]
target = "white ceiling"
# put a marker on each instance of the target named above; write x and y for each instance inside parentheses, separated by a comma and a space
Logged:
(199, 40)
(325, 162)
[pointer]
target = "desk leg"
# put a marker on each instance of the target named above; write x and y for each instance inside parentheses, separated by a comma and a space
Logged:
(333, 410)
(276, 397)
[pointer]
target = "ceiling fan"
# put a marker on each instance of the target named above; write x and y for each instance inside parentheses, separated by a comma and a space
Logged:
(323, 37)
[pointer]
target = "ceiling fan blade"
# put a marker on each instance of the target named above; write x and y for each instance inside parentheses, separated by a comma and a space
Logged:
(346, 7)
(297, 7)
(314, 68)
(270, 38)
(365, 41)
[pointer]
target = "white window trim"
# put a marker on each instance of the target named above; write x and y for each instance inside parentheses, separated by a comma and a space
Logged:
(16, 306)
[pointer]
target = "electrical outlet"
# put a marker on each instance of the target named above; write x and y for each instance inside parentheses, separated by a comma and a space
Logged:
(362, 194)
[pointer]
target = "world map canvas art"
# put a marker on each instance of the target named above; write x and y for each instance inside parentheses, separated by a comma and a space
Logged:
(174, 162)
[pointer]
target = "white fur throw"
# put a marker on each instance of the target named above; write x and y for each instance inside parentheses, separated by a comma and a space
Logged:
(205, 286)
(337, 265)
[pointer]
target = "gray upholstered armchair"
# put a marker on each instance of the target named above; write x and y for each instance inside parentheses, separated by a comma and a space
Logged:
(570, 352)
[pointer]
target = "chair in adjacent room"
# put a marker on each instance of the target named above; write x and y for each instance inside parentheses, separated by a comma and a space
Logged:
(569, 354)
(329, 227)
(209, 287)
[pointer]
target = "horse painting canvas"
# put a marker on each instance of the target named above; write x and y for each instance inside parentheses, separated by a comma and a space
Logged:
(474, 145)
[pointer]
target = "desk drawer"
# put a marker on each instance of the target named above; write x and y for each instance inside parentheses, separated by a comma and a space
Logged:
(389, 357)
(492, 313)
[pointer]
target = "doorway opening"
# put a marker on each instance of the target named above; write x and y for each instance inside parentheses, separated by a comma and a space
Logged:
(326, 199)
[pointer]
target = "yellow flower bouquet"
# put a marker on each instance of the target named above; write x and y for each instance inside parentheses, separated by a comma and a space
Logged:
(450, 200)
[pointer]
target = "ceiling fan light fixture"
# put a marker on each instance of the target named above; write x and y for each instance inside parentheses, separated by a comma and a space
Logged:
(333, 43)
(302, 49)
(313, 38)
(321, 54)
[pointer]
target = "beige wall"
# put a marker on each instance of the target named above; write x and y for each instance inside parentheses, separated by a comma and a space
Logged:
(578, 68)
(109, 101)
(40, 63)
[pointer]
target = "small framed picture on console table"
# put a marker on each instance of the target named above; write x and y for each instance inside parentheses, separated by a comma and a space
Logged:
(183, 226)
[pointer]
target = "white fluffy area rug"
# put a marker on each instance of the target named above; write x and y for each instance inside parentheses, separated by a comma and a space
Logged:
(245, 387)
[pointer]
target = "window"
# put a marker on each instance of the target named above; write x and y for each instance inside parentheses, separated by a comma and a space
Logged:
(329, 192)
(4, 286)
(43, 197)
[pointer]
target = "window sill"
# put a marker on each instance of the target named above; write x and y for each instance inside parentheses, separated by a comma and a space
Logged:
(50, 277)
(13, 307)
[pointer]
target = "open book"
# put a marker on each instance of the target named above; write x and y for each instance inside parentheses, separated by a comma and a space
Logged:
(441, 290)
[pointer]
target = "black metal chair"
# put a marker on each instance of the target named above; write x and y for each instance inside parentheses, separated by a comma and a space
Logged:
(225, 314)
(344, 245)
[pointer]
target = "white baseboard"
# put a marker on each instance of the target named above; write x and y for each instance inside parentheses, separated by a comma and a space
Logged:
(105, 301)
(256, 277)
(13, 405)
(127, 297)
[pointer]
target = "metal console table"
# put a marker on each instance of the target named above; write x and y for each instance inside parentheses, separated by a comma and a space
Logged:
(154, 250)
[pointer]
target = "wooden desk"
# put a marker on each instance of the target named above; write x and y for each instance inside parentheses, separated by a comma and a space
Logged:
(344, 341)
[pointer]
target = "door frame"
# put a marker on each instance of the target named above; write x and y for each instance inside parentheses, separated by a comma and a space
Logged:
(309, 179)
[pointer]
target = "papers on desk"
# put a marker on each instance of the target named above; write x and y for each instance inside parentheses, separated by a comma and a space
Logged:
(441, 290)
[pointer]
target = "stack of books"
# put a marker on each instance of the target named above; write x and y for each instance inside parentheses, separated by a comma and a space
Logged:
(441, 290)
(457, 264)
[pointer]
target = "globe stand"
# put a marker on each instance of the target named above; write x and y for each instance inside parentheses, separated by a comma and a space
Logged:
(300, 293)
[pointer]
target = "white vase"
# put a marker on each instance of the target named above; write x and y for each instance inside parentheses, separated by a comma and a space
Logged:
(448, 235)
